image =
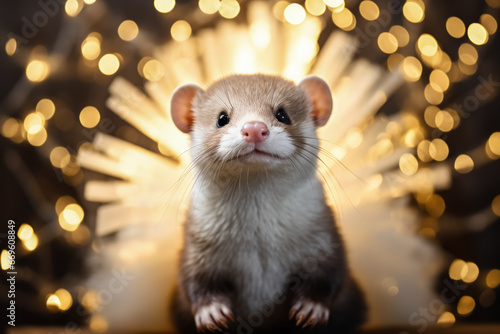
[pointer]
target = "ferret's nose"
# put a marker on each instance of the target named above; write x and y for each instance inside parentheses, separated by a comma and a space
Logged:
(255, 132)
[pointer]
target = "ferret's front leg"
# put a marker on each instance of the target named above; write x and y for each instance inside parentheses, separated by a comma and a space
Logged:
(210, 301)
(314, 291)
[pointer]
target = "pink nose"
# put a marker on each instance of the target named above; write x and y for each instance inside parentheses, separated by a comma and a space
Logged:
(255, 132)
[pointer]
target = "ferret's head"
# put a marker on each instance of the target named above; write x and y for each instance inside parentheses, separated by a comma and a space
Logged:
(259, 121)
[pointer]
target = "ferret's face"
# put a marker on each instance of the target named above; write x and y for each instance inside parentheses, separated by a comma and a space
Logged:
(254, 121)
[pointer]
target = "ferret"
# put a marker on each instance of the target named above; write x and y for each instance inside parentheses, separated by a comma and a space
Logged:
(261, 249)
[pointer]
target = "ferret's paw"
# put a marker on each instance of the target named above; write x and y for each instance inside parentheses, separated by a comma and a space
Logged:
(213, 317)
(309, 313)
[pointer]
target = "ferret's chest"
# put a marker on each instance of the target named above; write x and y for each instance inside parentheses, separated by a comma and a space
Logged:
(259, 239)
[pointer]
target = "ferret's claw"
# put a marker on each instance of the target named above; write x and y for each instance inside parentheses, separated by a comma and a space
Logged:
(309, 314)
(212, 317)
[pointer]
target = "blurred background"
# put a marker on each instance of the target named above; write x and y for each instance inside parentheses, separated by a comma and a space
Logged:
(59, 58)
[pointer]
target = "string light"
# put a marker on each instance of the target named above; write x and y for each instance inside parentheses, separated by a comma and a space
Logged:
(164, 6)
(369, 10)
(464, 164)
(466, 305)
(5, 260)
(411, 68)
(11, 46)
(109, 64)
(493, 277)
(71, 217)
(413, 11)
(477, 34)
(295, 14)
(91, 46)
(387, 42)
(344, 19)
(401, 35)
(229, 9)
(455, 27)
(408, 164)
(89, 117)
(180, 31)
(489, 23)
(128, 30)
(37, 70)
(209, 6)
(315, 7)
(73, 7)
(446, 319)
(46, 108)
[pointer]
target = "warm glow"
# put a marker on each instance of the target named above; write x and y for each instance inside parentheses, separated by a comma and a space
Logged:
(25, 232)
(260, 34)
(472, 273)
(455, 27)
(466, 305)
(34, 122)
(439, 80)
(468, 54)
(65, 299)
(387, 42)
(37, 70)
(62, 202)
(10, 127)
(427, 44)
(458, 269)
(492, 279)
(438, 149)
(109, 64)
(369, 10)
(37, 139)
(229, 9)
(153, 70)
(494, 143)
(73, 7)
(315, 7)
(344, 19)
(89, 2)
(411, 68)
(180, 31)
(279, 10)
(489, 23)
(46, 108)
(408, 164)
(71, 217)
(5, 260)
(444, 121)
(209, 6)
(413, 11)
(401, 35)
(295, 13)
(334, 3)
(91, 46)
(98, 324)
(495, 205)
(477, 34)
(89, 117)
(446, 319)
(128, 30)
(59, 157)
(464, 164)
(432, 95)
(164, 6)
(53, 303)
(435, 205)
(11, 46)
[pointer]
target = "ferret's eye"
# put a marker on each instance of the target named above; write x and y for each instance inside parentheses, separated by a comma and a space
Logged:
(282, 116)
(223, 119)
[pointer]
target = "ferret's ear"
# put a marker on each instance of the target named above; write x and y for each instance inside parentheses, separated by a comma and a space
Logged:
(181, 106)
(321, 98)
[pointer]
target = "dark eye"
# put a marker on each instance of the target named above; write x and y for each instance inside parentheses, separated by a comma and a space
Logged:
(223, 119)
(282, 116)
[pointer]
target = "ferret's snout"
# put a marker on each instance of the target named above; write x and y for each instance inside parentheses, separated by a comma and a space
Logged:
(255, 132)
